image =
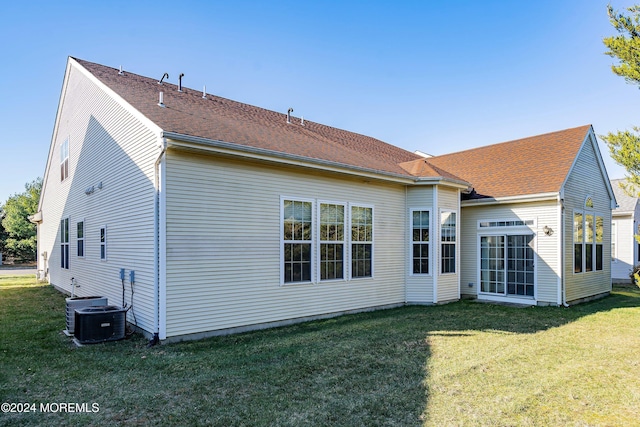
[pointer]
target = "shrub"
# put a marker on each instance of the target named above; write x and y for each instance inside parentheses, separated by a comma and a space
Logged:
(635, 275)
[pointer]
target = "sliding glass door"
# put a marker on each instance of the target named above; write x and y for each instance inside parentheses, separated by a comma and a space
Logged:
(507, 265)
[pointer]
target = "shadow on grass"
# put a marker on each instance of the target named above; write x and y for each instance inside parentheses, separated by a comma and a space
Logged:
(364, 369)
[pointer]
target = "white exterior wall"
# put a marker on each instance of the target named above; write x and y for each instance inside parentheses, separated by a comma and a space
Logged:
(420, 286)
(223, 244)
(585, 180)
(547, 262)
(623, 261)
(107, 145)
(448, 285)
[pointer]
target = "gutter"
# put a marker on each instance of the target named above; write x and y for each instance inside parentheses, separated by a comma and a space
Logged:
(540, 197)
(198, 143)
(36, 218)
(563, 245)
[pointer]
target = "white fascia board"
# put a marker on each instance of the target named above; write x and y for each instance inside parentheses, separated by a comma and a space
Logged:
(232, 149)
(510, 199)
(461, 185)
(120, 100)
(190, 142)
(54, 132)
(591, 138)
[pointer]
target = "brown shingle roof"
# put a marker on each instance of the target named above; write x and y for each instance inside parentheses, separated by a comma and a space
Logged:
(221, 119)
(534, 165)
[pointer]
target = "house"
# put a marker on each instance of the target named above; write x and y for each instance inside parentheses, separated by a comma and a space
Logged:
(209, 216)
(625, 250)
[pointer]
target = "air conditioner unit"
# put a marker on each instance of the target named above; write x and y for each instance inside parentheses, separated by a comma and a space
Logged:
(100, 324)
(74, 303)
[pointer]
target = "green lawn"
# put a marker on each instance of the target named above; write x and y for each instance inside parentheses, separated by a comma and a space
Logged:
(460, 364)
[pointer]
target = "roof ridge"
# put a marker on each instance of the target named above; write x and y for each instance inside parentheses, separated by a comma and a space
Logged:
(237, 115)
(527, 138)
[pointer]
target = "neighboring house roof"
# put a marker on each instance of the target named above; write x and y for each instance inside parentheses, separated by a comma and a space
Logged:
(535, 165)
(626, 202)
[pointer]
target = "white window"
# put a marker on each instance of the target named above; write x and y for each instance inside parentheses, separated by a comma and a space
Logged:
(614, 238)
(361, 241)
(578, 238)
(589, 226)
(297, 221)
(332, 237)
(512, 223)
(420, 238)
(315, 239)
(447, 242)
(103, 243)
(64, 160)
(599, 242)
(588, 239)
(64, 243)
(80, 238)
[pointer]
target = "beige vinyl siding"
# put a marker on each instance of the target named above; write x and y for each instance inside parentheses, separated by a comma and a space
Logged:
(107, 146)
(547, 263)
(585, 180)
(223, 244)
(624, 260)
(448, 287)
(420, 286)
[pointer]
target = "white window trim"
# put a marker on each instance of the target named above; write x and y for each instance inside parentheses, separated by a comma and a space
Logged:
(64, 144)
(65, 243)
(588, 199)
(312, 242)
(315, 241)
(523, 299)
(411, 242)
(525, 227)
(614, 241)
(351, 242)
(573, 240)
(594, 243)
(106, 240)
(455, 243)
(84, 238)
(345, 238)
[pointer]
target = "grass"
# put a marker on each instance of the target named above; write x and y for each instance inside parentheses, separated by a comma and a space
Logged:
(459, 364)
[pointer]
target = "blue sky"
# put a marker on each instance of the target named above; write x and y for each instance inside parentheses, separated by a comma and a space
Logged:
(423, 75)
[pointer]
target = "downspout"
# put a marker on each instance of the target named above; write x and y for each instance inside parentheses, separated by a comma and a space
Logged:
(407, 234)
(560, 249)
(158, 182)
(435, 248)
(563, 244)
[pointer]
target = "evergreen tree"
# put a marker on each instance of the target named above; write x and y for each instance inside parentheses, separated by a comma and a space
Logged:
(624, 146)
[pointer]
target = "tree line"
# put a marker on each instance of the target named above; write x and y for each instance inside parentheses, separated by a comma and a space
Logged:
(17, 233)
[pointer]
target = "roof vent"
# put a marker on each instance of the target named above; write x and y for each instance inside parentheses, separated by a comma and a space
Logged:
(165, 75)
(180, 82)
(120, 73)
(161, 100)
(204, 92)
(289, 111)
(302, 121)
